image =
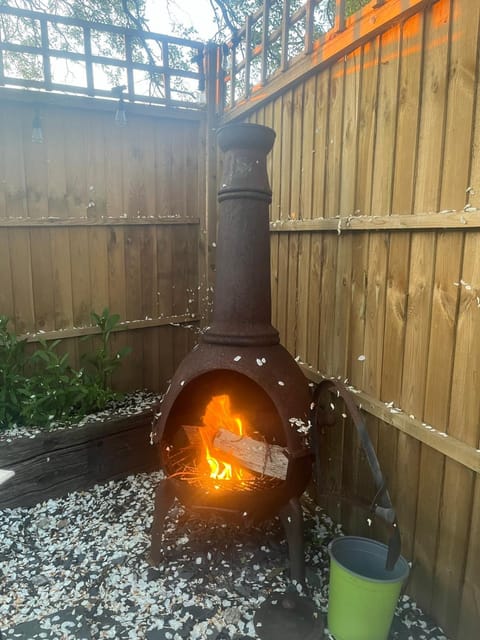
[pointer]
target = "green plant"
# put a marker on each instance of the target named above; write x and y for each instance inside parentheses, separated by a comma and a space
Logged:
(50, 390)
(103, 361)
(12, 379)
(42, 387)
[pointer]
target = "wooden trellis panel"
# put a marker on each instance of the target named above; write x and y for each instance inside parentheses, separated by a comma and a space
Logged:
(82, 57)
(375, 273)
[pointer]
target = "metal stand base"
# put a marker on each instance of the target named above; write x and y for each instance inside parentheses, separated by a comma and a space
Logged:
(164, 499)
(292, 520)
(288, 616)
(290, 516)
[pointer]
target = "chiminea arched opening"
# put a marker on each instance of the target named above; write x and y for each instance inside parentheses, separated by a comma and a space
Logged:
(230, 426)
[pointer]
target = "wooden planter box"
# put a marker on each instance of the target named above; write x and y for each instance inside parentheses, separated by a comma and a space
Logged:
(52, 464)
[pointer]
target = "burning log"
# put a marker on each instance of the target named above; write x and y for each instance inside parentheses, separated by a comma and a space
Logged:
(266, 459)
(255, 455)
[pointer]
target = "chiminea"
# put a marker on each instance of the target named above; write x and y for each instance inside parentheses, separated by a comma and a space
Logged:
(229, 423)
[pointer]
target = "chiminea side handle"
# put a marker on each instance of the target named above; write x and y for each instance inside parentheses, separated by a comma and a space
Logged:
(381, 504)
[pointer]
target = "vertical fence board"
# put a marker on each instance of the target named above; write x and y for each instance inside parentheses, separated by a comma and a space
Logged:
(114, 170)
(366, 126)
(326, 325)
(455, 518)
(42, 277)
(396, 296)
(294, 213)
(461, 90)
(437, 403)
(414, 375)
(3, 165)
(22, 285)
(307, 150)
(334, 140)
(191, 170)
(62, 278)
(386, 122)
(276, 154)
(470, 606)
(433, 105)
(348, 165)
(53, 124)
(15, 188)
(81, 291)
(36, 171)
(75, 149)
(285, 201)
(305, 211)
(286, 143)
(95, 169)
(148, 280)
(408, 104)
(358, 312)
(320, 143)
(135, 174)
(97, 244)
(116, 271)
(6, 286)
(458, 484)
(473, 196)
(315, 305)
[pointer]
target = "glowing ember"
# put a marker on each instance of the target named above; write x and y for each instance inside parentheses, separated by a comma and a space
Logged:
(218, 415)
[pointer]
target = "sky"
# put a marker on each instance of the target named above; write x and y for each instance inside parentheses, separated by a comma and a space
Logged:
(190, 13)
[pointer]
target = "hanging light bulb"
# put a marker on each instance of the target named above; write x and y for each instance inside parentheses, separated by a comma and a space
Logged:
(37, 132)
(120, 114)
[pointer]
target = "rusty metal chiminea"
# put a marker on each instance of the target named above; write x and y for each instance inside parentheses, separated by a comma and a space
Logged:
(240, 358)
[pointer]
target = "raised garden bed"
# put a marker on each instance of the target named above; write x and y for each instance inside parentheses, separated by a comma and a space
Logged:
(50, 464)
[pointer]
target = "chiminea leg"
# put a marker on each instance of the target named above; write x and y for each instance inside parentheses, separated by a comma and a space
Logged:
(164, 499)
(292, 520)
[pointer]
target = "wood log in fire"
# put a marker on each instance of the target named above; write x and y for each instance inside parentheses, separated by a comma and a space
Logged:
(255, 455)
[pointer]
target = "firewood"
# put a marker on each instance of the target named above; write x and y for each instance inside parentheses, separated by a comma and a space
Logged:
(262, 457)
(255, 455)
(193, 434)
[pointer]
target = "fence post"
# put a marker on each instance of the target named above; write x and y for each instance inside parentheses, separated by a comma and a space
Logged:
(208, 222)
(248, 54)
(47, 72)
(265, 39)
(340, 16)
(309, 26)
(87, 45)
(285, 33)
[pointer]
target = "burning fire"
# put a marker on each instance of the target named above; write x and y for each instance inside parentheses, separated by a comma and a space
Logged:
(218, 415)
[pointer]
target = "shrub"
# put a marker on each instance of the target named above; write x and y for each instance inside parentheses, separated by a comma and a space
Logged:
(42, 387)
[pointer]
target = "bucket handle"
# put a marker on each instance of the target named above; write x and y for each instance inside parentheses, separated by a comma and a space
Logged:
(381, 505)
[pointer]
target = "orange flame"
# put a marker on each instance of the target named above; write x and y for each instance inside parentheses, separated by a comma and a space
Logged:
(218, 415)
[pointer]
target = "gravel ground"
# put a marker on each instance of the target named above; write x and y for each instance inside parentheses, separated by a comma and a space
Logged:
(76, 568)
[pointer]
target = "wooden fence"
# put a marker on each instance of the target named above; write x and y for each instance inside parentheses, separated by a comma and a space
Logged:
(375, 227)
(376, 273)
(99, 216)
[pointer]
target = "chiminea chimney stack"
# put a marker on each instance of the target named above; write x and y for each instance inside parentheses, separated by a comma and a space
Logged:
(242, 302)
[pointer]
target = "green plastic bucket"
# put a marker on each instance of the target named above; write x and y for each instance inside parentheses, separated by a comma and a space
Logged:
(363, 593)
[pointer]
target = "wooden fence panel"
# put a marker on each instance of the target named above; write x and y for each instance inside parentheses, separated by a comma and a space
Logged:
(391, 274)
(102, 216)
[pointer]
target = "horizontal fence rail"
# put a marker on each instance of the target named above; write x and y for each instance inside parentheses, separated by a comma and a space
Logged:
(55, 53)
